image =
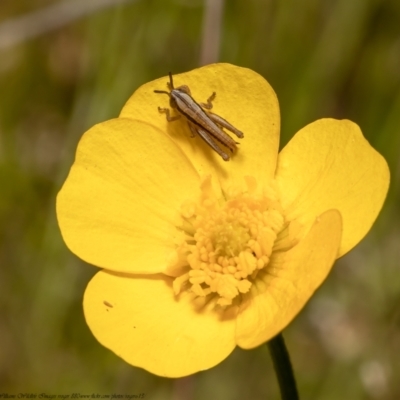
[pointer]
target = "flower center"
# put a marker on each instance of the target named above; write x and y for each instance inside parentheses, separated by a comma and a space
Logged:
(227, 243)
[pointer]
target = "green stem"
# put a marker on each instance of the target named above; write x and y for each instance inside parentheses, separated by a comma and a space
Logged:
(283, 368)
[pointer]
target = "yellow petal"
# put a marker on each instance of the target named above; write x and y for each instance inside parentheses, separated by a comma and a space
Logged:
(329, 164)
(289, 283)
(140, 320)
(243, 98)
(118, 206)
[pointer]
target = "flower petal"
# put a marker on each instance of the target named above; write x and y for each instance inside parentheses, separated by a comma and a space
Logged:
(329, 164)
(289, 283)
(243, 97)
(118, 206)
(140, 320)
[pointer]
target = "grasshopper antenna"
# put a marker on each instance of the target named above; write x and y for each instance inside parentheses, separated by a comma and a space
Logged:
(170, 85)
(171, 82)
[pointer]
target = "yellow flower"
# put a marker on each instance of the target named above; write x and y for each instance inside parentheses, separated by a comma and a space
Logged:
(200, 255)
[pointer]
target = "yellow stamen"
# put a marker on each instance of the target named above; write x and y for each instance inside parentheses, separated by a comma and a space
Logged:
(229, 242)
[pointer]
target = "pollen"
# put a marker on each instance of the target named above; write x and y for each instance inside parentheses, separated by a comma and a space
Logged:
(228, 241)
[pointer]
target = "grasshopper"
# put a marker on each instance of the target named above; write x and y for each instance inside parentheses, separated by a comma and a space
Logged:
(199, 118)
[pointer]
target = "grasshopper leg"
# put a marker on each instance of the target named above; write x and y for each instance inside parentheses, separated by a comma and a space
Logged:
(209, 105)
(166, 111)
(208, 139)
(193, 130)
(219, 120)
(225, 124)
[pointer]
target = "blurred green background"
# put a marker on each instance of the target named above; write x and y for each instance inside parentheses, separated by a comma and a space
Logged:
(63, 69)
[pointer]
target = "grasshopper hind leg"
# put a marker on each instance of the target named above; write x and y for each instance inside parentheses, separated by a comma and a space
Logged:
(225, 124)
(208, 139)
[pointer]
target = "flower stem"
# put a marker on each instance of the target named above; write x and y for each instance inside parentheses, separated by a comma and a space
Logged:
(283, 368)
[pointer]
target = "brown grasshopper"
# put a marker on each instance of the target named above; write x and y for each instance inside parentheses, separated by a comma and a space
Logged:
(200, 120)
